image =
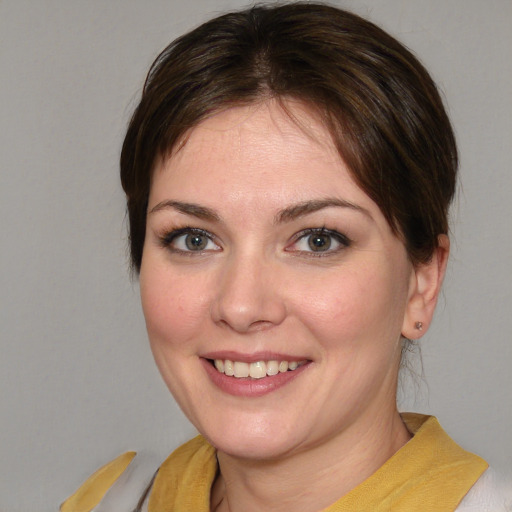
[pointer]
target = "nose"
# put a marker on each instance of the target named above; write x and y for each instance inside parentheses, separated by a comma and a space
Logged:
(249, 296)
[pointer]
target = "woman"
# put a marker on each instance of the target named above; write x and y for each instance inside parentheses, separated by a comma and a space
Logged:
(288, 174)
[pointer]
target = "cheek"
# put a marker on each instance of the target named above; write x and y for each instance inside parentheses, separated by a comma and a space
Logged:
(174, 306)
(365, 304)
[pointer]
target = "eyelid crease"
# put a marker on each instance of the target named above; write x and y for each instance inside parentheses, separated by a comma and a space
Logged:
(323, 231)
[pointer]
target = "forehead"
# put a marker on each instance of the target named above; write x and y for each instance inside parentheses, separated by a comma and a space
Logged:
(281, 121)
(265, 135)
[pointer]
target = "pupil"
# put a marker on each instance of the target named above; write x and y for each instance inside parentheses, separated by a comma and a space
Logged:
(196, 242)
(319, 242)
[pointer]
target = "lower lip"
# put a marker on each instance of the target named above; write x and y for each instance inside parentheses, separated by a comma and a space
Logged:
(247, 386)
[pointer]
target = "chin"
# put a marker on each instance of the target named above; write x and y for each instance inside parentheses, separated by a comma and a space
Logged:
(259, 439)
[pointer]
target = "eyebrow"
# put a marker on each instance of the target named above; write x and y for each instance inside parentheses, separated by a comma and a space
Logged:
(287, 214)
(201, 212)
(305, 208)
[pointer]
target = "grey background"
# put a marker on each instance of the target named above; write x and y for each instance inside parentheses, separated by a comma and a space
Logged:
(77, 382)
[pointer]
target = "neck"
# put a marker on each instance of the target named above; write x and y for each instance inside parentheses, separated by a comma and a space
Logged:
(335, 466)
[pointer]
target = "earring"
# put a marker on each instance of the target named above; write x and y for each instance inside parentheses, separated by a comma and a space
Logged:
(419, 326)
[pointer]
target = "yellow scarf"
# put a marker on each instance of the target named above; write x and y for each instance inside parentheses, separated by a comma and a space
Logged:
(431, 472)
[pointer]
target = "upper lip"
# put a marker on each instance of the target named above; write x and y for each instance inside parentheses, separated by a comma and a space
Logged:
(253, 357)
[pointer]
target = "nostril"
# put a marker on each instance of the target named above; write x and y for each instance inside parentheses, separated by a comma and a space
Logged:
(260, 325)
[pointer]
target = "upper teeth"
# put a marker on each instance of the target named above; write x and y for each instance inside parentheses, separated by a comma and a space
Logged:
(255, 370)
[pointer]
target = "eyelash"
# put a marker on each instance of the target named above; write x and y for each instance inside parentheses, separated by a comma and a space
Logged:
(340, 238)
(167, 239)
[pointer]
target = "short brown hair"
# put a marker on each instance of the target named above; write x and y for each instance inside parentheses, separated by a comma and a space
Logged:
(379, 103)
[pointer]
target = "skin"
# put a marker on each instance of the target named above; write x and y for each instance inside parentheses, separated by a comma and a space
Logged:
(257, 286)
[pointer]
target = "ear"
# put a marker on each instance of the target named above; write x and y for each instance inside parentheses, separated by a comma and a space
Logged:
(424, 288)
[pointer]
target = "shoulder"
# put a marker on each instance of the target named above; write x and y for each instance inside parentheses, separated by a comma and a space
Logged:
(118, 485)
(492, 492)
(133, 479)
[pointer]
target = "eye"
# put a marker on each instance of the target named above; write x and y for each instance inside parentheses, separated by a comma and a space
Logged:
(189, 240)
(319, 241)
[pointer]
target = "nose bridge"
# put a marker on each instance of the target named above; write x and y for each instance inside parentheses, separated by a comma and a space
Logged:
(248, 296)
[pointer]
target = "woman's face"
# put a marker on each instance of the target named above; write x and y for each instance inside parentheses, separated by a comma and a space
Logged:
(261, 253)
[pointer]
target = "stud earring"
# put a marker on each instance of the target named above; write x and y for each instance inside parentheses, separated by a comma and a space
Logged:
(419, 326)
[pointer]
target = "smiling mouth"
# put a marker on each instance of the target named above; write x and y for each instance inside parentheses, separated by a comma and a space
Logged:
(256, 370)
